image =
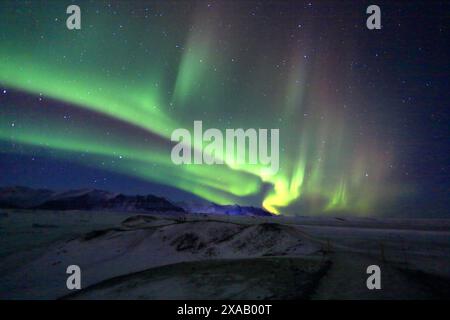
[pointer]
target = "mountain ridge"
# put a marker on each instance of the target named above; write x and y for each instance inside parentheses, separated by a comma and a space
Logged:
(20, 197)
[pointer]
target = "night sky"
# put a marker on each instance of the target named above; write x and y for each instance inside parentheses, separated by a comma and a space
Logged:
(363, 114)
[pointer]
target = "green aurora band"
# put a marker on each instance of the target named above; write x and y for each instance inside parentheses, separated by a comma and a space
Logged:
(155, 75)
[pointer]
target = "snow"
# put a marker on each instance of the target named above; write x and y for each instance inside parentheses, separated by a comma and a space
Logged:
(107, 245)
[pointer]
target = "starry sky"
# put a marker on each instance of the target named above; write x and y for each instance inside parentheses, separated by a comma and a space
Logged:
(363, 114)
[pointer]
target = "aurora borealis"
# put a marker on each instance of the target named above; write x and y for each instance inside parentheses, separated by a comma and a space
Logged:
(108, 96)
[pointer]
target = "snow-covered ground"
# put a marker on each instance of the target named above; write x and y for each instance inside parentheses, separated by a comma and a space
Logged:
(324, 257)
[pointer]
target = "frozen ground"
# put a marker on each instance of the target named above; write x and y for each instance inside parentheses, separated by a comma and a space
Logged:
(125, 256)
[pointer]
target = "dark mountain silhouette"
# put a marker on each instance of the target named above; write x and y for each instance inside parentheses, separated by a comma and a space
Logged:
(19, 197)
(232, 210)
(23, 197)
(84, 199)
